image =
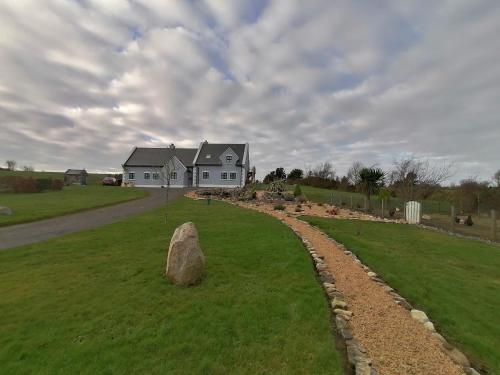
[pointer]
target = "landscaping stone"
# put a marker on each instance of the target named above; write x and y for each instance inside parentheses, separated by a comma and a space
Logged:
(419, 316)
(185, 261)
(439, 337)
(429, 326)
(5, 211)
(471, 371)
(372, 274)
(458, 357)
(338, 303)
(342, 312)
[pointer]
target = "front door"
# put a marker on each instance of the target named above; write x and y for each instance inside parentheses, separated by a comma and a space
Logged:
(190, 177)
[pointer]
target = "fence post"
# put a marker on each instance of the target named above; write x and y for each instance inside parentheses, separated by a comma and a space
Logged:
(366, 204)
(452, 218)
(493, 225)
(383, 200)
(331, 199)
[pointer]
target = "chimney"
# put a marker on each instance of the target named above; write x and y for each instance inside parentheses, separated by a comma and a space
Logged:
(172, 146)
(205, 142)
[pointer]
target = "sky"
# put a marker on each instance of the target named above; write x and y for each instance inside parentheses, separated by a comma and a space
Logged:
(82, 82)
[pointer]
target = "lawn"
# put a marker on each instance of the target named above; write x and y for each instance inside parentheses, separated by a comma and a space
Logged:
(456, 281)
(37, 206)
(96, 302)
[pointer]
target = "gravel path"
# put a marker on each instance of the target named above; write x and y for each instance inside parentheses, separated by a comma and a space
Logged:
(24, 234)
(396, 343)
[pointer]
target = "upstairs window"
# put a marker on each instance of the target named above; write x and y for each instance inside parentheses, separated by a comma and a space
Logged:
(223, 175)
(229, 158)
(173, 175)
(147, 175)
(205, 175)
(131, 176)
(232, 176)
(156, 176)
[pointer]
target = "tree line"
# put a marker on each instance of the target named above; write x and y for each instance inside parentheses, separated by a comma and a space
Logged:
(408, 179)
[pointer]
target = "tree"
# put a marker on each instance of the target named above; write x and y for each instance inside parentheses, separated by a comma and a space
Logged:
(353, 173)
(28, 168)
(324, 171)
(411, 178)
(370, 180)
(270, 177)
(496, 178)
(295, 174)
(298, 191)
(280, 173)
(11, 165)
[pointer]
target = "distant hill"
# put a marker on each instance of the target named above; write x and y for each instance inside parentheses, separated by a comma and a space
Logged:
(92, 179)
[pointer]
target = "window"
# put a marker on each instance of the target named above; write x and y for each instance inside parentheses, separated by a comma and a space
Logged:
(205, 175)
(229, 158)
(173, 175)
(131, 176)
(147, 175)
(232, 176)
(208, 156)
(156, 176)
(223, 175)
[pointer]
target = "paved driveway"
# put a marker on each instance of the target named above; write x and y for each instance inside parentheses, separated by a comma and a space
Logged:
(24, 234)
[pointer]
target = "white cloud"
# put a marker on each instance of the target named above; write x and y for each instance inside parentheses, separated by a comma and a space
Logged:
(82, 82)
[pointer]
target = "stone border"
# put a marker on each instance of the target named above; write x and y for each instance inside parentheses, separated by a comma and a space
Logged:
(454, 353)
(357, 356)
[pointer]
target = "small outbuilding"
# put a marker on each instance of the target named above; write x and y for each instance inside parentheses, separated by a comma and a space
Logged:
(75, 176)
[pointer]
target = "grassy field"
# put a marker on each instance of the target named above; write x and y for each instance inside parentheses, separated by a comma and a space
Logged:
(97, 302)
(456, 281)
(92, 178)
(37, 206)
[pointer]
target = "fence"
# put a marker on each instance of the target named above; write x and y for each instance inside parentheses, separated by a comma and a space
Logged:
(482, 223)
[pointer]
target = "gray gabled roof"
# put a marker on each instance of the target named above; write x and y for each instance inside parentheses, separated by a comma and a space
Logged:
(75, 172)
(158, 157)
(210, 153)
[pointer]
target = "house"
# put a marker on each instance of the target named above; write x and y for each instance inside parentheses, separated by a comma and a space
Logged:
(209, 165)
(75, 176)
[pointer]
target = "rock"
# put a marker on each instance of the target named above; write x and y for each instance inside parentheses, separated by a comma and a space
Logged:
(429, 326)
(419, 316)
(439, 337)
(346, 333)
(471, 371)
(185, 261)
(363, 368)
(403, 303)
(320, 266)
(338, 303)
(372, 274)
(342, 312)
(5, 211)
(458, 357)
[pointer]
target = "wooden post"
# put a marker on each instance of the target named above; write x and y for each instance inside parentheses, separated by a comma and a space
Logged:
(331, 199)
(493, 225)
(452, 218)
(351, 203)
(383, 200)
(366, 204)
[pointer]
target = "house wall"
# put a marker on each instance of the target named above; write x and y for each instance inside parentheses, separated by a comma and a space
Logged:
(139, 181)
(215, 180)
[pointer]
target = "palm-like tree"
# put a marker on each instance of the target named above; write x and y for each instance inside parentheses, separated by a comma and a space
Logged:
(370, 179)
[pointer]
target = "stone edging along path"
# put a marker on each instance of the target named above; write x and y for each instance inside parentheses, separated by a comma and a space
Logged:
(382, 332)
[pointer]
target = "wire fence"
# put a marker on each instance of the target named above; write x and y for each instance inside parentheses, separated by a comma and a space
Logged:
(481, 223)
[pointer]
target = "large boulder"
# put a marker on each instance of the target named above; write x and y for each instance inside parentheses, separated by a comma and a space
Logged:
(185, 259)
(5, 211)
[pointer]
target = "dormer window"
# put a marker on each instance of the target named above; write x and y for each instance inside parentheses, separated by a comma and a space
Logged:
(229, 158)
(208, 156)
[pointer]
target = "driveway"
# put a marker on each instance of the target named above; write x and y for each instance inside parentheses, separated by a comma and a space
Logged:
(24, 234)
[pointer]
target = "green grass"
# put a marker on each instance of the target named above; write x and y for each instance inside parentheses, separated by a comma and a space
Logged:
(97, 302)
(37, 206)
(92, 178)
(456, 281)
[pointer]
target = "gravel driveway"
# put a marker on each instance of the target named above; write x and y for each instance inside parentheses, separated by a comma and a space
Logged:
(24, 234)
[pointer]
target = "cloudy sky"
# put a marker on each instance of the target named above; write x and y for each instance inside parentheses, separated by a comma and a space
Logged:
(82, 82)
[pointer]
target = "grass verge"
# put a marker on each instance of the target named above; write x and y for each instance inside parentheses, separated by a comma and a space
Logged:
(456, 281)
(97, 301)
(37, 206)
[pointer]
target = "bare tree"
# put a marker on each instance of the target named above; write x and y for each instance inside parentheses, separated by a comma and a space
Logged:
(496, 178)
(353, 173)
(11, 165)
(411, 177)
(324, 170)
(28, 168)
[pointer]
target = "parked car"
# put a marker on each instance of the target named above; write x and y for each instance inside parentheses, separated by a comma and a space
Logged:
(109, 181)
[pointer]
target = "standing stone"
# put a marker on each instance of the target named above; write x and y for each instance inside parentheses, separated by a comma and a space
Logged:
(185, 259)
(5, 211)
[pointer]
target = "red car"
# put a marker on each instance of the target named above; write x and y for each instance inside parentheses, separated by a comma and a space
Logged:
(109, 181)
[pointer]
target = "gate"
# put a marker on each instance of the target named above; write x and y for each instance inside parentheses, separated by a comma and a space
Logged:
(412, 212)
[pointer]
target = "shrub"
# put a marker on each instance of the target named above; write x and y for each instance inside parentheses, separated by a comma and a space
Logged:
(302, 198)
(297, 191)
(24, 185)
(43, 184)
(279, 207)
(392, 212)
(468, 221)
(277, 186)
(288, 197)
(57, 185)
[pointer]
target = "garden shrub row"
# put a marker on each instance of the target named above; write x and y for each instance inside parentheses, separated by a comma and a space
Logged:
(17, 184)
